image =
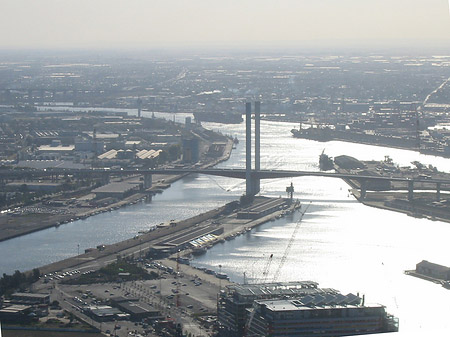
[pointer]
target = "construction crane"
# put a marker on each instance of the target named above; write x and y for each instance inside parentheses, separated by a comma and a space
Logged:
(289, 245)
(277, 273)
(266, 268)
(249, 322)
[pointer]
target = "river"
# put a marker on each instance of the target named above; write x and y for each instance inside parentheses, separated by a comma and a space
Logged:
(340, 243)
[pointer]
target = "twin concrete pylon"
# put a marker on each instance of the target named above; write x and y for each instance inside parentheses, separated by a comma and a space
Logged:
(252, 181)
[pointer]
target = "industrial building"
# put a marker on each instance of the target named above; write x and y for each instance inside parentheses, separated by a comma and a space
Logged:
(102, 313)
(137, 310)
(116, 190)
(297, 309)
(433, 270)
(191, 150)
(237, 298)
(48, 187)
(17, 313)
(29, 298)
(319, 315)
(259, 210)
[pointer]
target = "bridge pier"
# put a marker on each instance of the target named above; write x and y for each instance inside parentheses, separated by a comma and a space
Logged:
(438, 191)
(410, 190)
(147, 180)
(255, 185)
(363, 186)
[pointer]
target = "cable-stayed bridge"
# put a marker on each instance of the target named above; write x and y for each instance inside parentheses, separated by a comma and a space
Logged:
(251, 175)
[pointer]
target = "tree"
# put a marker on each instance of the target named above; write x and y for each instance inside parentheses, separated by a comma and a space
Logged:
(36, 274)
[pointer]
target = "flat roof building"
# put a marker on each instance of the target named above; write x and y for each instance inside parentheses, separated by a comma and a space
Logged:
(102, 313)
(318, 315)
(15, 313)
(434, 270)
(116, 190)
(137, 310)
(297, 309)
(30, 298)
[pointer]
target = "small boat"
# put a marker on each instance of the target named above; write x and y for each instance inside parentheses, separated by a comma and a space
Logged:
(222, 276)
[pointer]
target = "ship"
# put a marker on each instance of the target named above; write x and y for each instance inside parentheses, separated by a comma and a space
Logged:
(325, 162)
(321, 134)
(218, 117)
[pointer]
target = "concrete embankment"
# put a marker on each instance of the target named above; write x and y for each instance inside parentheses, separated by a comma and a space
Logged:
(177, 235)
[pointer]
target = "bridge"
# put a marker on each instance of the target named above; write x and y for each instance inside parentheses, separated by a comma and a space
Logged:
(230, 173)
(252, 176)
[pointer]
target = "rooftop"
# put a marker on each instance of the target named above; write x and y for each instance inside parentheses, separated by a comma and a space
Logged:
(313, 301)
(273, 289)
(119, 187)
(30, 295)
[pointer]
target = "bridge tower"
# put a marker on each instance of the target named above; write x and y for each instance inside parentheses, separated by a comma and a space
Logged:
(252, 180)
(256, 180)
(248, 149)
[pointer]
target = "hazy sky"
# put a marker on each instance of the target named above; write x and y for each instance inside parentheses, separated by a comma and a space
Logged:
(159, 23)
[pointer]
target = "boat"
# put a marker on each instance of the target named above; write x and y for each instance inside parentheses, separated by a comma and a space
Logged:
(446, 284)
(218, 117)
(222, 276)
(321, 134)
(199, 250)
(325, 162)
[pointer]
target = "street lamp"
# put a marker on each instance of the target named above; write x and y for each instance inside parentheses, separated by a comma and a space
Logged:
(220, 277)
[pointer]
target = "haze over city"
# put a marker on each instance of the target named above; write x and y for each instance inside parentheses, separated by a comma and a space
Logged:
(252, 168)
(202, 23)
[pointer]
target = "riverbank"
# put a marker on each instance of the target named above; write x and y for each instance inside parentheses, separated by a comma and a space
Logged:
(187, 292)
(419, 202)
(40, 216)
(398, 202)
(382, 141)
(223, 221)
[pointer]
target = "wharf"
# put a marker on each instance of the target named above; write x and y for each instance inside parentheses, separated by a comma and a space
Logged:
(394, 196)
(186, 293)
(223, 221)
